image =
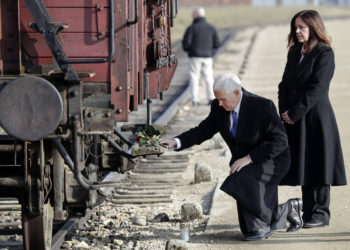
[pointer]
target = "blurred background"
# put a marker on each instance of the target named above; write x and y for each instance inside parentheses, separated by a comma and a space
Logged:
(233, 14)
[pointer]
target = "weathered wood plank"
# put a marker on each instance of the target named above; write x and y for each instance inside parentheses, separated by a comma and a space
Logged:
(140, 201)
(157, 171)
(140, 196)
(144, 192)
(10, 207)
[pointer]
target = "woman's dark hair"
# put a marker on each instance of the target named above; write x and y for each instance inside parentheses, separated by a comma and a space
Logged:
(316, 28)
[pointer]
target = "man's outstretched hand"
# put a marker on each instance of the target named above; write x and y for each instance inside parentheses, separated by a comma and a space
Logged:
(171, 143)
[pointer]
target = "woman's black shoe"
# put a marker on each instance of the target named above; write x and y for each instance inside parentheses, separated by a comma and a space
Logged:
(314, 223)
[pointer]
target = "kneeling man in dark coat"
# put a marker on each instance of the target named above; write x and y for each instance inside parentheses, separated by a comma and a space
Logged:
(253, 131)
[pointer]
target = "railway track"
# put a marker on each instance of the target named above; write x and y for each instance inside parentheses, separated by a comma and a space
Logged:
(151, 180)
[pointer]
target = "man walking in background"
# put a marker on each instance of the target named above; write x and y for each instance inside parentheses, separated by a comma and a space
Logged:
(200, 41)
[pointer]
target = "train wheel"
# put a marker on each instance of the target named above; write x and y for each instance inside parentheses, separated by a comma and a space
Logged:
(37, 211)
(37, 230)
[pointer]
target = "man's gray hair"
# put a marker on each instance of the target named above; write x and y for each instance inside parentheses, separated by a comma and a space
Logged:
(198, 12)
(228, 82)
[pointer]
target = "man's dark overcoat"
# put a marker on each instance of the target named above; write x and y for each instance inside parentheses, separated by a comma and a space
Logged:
(314, 141)
(200, 39)
(260, 133)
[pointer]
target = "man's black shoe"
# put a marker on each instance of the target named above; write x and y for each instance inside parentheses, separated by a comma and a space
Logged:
(294, 217)
(261, 234)
(314, 223)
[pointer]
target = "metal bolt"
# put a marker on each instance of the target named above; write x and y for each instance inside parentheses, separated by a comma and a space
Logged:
(119, 111)
(119, 88)
(74, 93)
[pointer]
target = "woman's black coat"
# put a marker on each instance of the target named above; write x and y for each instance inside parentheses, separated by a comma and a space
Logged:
(314, 141)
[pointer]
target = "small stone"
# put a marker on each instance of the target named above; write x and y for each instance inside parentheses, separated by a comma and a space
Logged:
(102, 218)
(176, 245)
(105, 239)
(162, 217)
(191, 211)
(202, 173)
(14, 238)
(108, 223)
(123, 224)
(66, 245)
(84, 239)
(118, 242)
(81, 245)
(94, 216)
(100, 246)
(131, 244)
(74, 241)
(140, 221)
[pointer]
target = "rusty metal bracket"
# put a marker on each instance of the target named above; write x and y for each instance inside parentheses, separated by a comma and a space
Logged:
(173, 13)
(122, 137)
(118, 148)
(136, 19)
(56, 27)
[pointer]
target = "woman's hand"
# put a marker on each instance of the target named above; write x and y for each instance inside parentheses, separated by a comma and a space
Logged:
(286, 118)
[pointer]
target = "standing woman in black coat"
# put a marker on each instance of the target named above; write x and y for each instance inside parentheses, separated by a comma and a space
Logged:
(317, 159)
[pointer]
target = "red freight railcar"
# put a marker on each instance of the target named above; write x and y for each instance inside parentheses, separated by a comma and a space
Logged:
(69, 70)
